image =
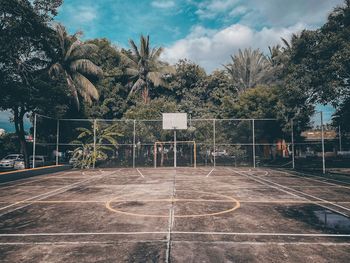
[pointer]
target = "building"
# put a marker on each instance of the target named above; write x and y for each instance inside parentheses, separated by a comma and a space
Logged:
(2, 132)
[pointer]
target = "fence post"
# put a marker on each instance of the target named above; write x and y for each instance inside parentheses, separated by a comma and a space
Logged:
(322, 138)
(293, 154)
(253, 122)
(94, 160)
(34, 141)
(57, 139)
(340, 142)
(134, 146)
(175, 149)
(195, 154)
(214, 142)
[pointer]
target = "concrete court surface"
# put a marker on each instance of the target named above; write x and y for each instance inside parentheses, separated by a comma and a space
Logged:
(176, 215)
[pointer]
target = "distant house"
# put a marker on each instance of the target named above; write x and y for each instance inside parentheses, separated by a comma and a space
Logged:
(2, 132)
(316, 135)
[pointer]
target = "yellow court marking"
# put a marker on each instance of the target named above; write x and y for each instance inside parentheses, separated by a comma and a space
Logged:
(236, 205)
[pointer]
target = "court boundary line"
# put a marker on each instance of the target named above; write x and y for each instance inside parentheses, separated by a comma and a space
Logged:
(60, 243)
(312, 196)
(137, 169)
(212, 170)
(265, 243)
(174, 232)
(258, 179)
(295, 173)
(52, 193)
(170, 221)
(114, 242)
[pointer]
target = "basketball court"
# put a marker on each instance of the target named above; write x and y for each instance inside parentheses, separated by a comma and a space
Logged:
(176, 215)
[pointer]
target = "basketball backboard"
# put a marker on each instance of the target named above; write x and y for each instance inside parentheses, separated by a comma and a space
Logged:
(174, 121)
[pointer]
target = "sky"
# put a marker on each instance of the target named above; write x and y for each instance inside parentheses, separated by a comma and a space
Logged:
(206, 32)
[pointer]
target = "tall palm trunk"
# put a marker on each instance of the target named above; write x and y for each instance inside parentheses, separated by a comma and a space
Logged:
(145, 95)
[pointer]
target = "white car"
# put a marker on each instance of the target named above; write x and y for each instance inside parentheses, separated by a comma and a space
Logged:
(19, 164)
(9, 160)
(40, 160)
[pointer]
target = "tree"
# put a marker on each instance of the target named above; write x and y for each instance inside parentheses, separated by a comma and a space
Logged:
(188, 87)
(112, 102)
(106, 142)
(319, 61)
(26, 46)
(248, 69)
(144, 67)
(72, 63)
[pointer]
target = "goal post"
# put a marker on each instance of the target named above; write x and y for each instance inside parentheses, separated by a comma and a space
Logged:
(160, 143)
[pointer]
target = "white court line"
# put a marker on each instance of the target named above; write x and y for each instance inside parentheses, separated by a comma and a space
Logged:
(325, 182)
(176, 232)
(112, 242)
(300, 192)
(170, 222)
(261, 243)
(210, 172)
(48, 194)
(260, 180)
(254, 243)
(137, 169)
(28, 179)
(312, 196)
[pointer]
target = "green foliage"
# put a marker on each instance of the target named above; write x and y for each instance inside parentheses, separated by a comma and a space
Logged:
(312, 68)
(113, 90)
(248, 69)
(256, 103)
(106, 143)
(151, 110)
(9, 144)
(319, 63)
(26, 42)
(144, 68)
(73, 65)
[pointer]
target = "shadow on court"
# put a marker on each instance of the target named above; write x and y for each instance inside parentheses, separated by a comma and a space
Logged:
(176, 215)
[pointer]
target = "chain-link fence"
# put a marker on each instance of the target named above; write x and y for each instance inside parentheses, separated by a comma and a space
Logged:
(88, 143)
(322, 146)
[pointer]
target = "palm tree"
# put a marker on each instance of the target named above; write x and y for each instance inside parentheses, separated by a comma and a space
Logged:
(73, 64)
(248, 69)
(144, 67)
(89, 151)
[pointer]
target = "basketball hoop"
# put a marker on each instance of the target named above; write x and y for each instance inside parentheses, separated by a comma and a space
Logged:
(175, 121)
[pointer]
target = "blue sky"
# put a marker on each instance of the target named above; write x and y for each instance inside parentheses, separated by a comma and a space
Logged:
(206, 32)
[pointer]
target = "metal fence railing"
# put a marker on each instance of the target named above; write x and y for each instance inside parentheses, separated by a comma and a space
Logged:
(218, 142)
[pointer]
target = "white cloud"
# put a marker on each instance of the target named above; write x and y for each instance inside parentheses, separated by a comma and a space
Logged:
(86, 14)
(80, 16)
(163, 4)
(267, 12)
(211, 8)
(212, 48)
(286, 13)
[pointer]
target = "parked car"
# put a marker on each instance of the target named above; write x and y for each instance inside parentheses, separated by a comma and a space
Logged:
(219, 153)
(9, 160)
(40, 160)
(19, 164)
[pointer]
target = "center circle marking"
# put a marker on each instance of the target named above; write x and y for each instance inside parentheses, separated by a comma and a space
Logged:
(235, 205)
